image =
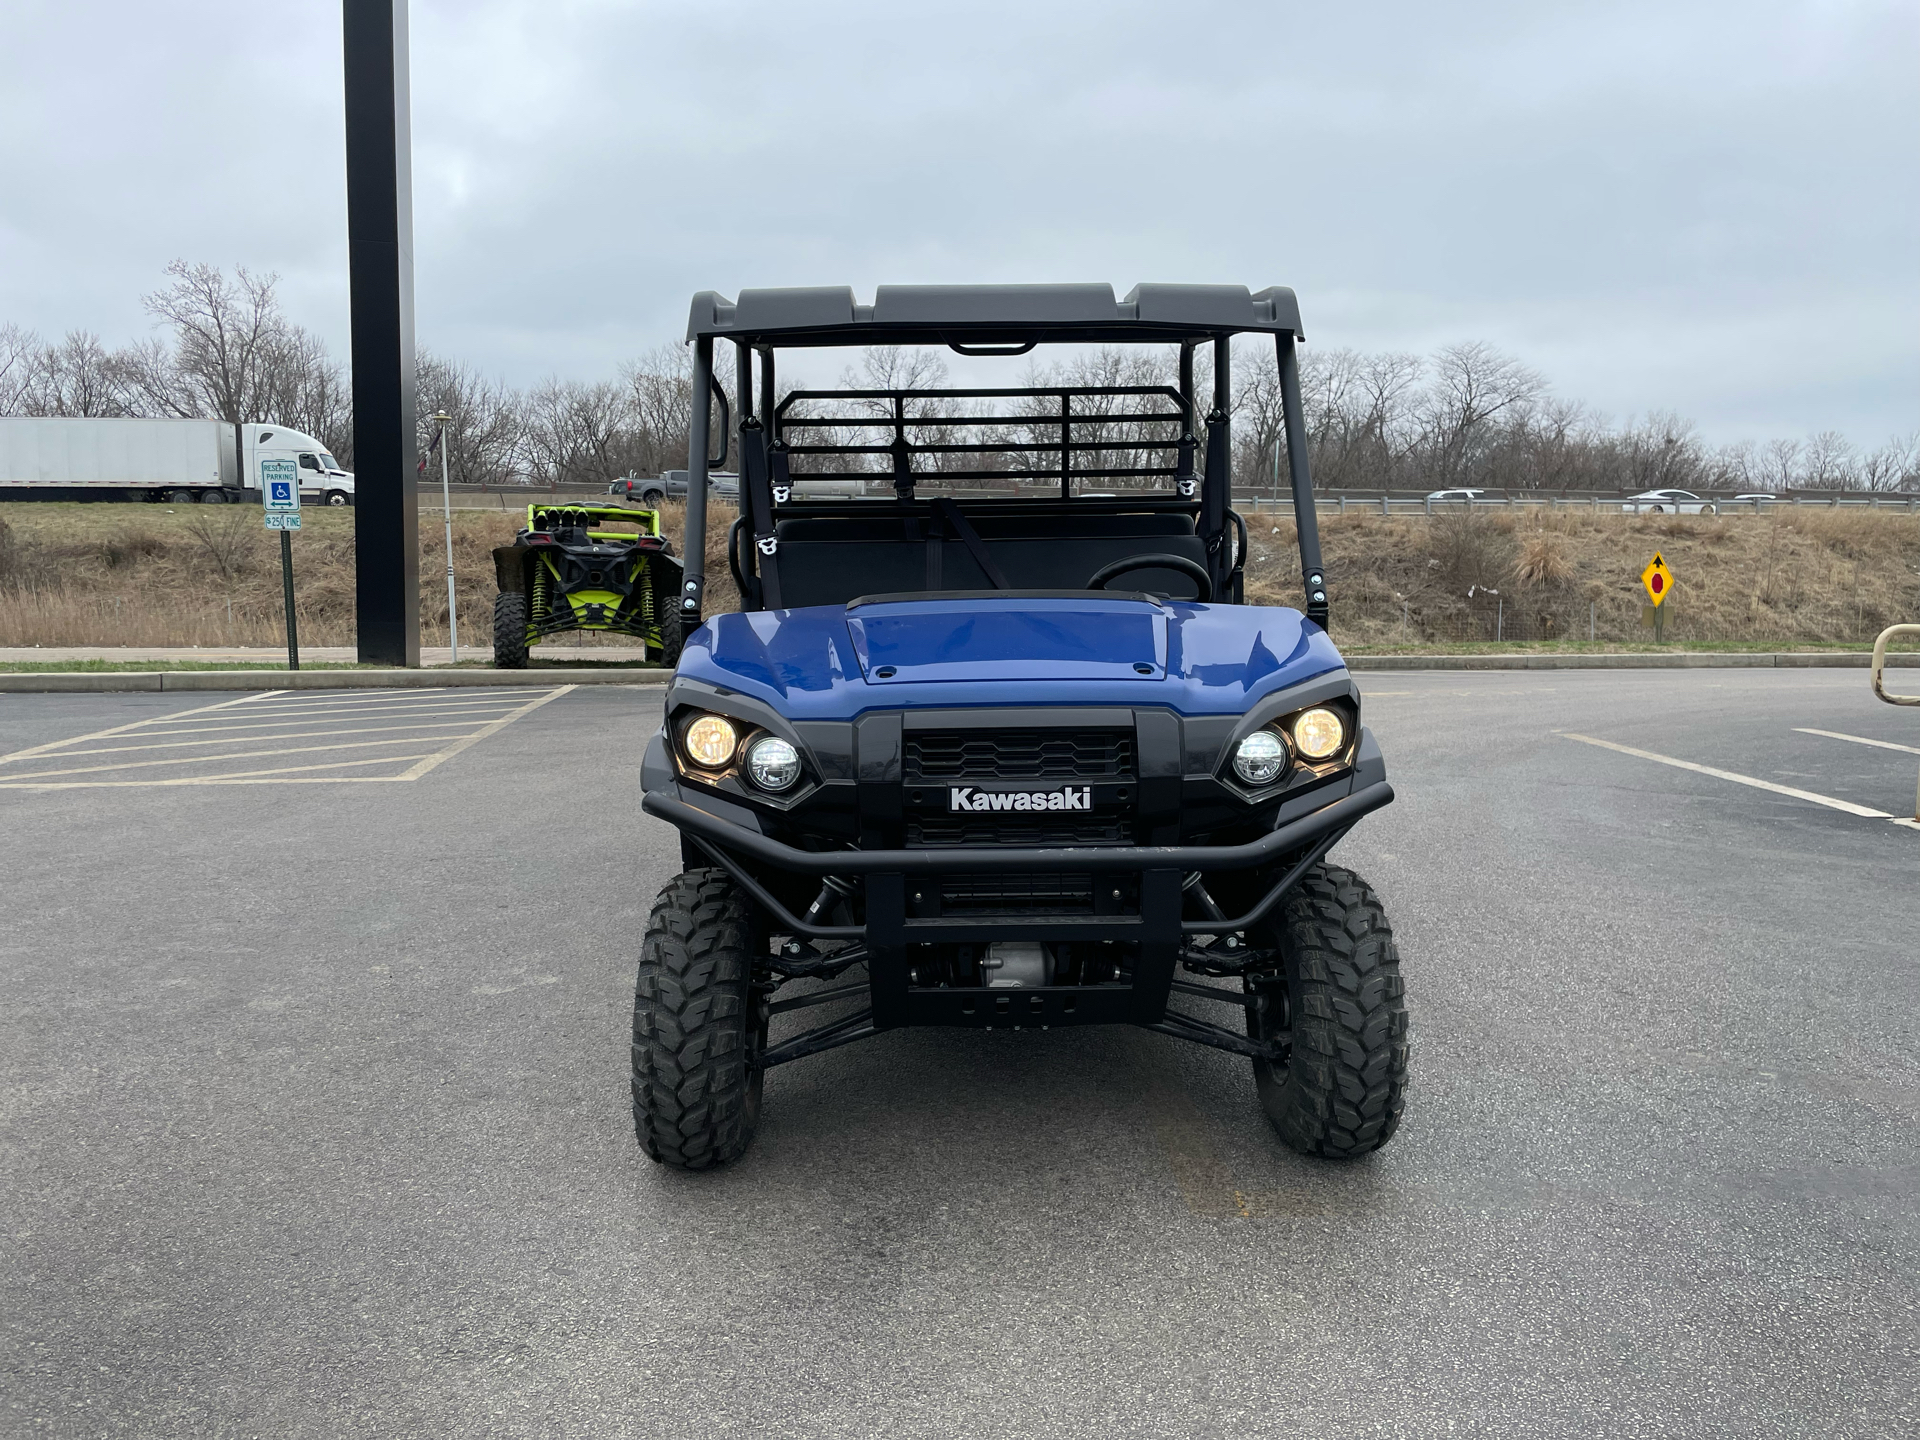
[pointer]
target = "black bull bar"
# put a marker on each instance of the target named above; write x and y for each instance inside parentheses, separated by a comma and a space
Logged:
(1158, 930)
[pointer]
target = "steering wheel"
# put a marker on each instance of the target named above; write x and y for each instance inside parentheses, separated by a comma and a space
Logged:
(1192, 569)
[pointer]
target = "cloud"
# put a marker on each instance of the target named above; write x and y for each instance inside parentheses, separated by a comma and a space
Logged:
(1705, 207)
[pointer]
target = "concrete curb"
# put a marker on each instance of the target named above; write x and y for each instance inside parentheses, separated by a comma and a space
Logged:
(1676, 660)
(106, 682)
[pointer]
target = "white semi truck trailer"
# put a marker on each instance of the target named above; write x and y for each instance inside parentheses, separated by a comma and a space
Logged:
(179, 461)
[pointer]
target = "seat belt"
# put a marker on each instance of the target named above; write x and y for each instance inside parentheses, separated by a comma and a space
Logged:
(756, 491)
(950, 518)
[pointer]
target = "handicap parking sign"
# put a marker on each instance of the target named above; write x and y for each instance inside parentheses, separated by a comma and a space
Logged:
(279, 485)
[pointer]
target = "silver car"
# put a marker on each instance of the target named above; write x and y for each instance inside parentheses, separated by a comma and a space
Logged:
(1669, 502)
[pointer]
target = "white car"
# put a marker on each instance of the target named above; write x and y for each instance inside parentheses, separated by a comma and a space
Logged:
(1669, 502)
(1457, 495)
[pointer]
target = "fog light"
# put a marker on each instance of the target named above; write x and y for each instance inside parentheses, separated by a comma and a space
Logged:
(1320, 734)
(710, 741)
(773, 763)
(1260, 757)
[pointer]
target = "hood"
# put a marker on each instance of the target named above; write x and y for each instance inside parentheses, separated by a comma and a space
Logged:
(834, 662)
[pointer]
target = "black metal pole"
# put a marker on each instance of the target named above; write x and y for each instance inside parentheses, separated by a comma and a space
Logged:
(742, 401)
(693, 552)
(1306, 520)
(1216, 485)
(380, 275)
(286, 585)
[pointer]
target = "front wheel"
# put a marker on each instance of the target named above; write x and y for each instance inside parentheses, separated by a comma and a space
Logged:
(1341, 1093)
(509, 631)
(698, 1028)
(338, 498)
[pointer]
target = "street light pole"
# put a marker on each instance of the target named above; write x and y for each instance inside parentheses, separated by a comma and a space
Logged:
(443, 420)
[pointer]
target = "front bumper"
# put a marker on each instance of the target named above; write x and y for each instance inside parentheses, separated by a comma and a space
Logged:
(1157, 932)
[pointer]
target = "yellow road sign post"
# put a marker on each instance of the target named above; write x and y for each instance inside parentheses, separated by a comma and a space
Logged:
(1658, 580)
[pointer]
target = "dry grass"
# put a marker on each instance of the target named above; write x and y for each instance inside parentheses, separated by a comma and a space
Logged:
(73, 575)
(1790, 575)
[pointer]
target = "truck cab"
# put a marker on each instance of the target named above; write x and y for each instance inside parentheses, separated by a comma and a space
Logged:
(322, 481)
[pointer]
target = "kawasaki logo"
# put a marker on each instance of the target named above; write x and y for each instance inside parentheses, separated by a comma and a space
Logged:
(965, 797)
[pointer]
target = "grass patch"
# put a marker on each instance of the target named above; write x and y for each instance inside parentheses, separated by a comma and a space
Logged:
(84, 575)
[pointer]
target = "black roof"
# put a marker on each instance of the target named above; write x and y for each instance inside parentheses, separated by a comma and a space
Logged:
(992, 314)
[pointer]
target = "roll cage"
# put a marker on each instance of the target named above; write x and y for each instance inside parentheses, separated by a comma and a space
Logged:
(786, 551)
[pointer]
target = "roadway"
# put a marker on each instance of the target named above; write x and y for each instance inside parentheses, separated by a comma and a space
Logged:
(314, 1117)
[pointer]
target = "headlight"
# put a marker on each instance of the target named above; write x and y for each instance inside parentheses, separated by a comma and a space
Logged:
(1319, 734)
(1260, 757)
(710, 741)
(773, 763)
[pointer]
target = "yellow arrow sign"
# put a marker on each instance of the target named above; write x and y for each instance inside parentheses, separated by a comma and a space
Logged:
(1658, 579)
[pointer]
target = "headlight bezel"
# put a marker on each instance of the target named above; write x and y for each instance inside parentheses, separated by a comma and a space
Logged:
(1341, 740)
(1278, 714)
(1271, 768)
(693, 755)
(751, 768)
(733, 779)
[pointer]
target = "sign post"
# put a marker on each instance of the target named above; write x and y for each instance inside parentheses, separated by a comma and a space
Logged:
(443, 444)
(280, 497)
(1659, 582)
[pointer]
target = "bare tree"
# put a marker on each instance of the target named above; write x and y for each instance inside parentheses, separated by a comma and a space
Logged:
(1830, 462)
(1362, 428)
(578, 433)
(1894, 466)
(19, 349)
(1473, 387)
(306, 388)
(660, 399)
(485, 437)
(1780, 464)
(227, 336)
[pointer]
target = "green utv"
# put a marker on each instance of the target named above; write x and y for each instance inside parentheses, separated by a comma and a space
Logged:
(562, 573)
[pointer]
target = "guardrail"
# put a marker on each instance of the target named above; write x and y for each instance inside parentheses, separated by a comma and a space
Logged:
(512, 497)
(1593, 504)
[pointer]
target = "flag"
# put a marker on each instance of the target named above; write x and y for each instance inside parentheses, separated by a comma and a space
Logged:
(433, 448)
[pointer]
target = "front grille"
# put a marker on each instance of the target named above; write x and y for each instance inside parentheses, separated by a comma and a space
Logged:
(1023, 894)
(1019, 832)
(1019, 755)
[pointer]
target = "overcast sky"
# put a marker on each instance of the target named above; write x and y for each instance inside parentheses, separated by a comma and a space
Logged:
(1706, 207)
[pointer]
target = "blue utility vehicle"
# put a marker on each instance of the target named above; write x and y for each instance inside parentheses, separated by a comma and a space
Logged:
(1002, 747)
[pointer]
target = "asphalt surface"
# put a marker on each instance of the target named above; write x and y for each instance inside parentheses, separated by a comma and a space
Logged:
(314, 1118)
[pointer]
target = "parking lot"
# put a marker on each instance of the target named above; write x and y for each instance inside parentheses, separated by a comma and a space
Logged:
(315, 1118)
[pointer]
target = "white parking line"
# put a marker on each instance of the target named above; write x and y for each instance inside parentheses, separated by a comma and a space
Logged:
(1865, 812)
(1860, 740)
(122, 729)
(475, 723)
(253, 739)
(281, 715)
(202, 759)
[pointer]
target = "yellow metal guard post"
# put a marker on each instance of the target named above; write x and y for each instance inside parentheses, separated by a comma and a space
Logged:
(1880, 682)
